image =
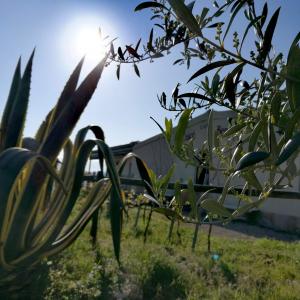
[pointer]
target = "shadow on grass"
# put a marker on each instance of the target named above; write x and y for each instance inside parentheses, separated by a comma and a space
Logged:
(227, 273)
(105, 282)
(163, 282)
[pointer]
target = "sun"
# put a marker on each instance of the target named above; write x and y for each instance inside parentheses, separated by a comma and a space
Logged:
(89, 42)
(82, 36)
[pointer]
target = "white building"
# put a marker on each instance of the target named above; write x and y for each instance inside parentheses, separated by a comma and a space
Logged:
(282, 213)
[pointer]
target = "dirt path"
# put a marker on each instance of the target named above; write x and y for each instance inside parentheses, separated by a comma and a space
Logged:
(243, 230)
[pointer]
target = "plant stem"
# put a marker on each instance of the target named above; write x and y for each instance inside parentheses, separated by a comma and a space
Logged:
(137, 217)
(197, 226)
(147, 226)
(171, 229)
(195, 237)
(209, 238)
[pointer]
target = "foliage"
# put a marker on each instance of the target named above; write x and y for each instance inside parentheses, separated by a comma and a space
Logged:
(263, 139)
(39, 189)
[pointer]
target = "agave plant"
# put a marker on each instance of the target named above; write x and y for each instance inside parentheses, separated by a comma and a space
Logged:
(37, 197)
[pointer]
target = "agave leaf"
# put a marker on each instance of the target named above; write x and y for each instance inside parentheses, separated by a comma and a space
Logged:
(44, 127)
(96, 197)
(14, 162)
(288, 149)
(143, 169)
(64, 98)
(43, 248)
(11, 163)
(81, 135)
(250, 159)
(30, 144)
(44, 162)
(54, 142)
(67, 92)
(16, 120)
(116, 220)
(69, 116)
(10, 103)
(58, 197)
(67, 162)
(115, 208)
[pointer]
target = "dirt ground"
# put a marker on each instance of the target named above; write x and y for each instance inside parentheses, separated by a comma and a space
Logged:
(243, 230)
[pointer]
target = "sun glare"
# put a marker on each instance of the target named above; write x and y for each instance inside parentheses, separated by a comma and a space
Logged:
(88, 42)
(82, 37)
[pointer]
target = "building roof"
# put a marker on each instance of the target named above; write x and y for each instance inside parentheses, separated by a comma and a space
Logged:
(120, 150)
(196, 120)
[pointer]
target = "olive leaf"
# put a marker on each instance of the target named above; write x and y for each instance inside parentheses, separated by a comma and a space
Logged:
(288, 149)
(211, 66)
(149, 4)
(250, 159)
(215, 207)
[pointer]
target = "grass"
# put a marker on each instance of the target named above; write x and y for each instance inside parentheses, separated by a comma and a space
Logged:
(159, 269)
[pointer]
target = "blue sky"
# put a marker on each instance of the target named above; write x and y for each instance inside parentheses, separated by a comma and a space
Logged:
(123, 108)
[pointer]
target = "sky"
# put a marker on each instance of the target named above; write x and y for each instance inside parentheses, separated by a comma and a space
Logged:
(122, 108)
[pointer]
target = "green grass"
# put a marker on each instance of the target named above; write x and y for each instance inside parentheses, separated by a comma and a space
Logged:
(246, 269)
